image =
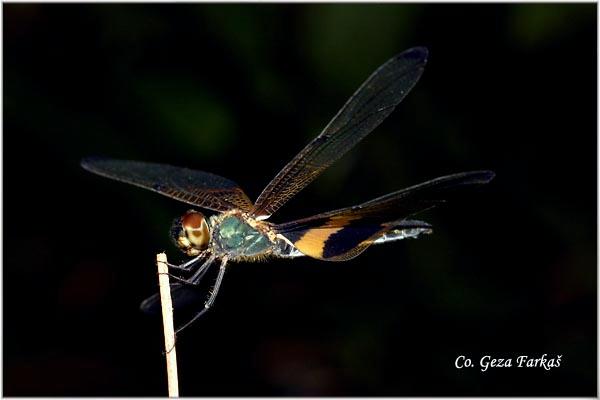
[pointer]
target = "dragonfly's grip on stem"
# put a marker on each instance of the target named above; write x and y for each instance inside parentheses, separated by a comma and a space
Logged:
(167, 314)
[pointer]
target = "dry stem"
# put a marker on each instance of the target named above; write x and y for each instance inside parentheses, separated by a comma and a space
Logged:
(167, 314)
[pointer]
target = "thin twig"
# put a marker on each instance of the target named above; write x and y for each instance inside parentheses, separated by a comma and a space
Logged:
(167, 313)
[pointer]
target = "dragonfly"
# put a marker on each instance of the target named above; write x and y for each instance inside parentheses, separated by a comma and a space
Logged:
(239, 230)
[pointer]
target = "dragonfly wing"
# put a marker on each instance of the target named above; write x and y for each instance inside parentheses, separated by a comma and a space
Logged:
(182, 296)
(189, 186)
(348, 240)
(343, 234)
(374, 100)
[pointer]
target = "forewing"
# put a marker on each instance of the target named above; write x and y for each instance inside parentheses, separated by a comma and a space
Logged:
(374, 100)
(342, 234)
(189, 186)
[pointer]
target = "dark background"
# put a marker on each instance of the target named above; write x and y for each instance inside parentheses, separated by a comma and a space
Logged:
(237, 90)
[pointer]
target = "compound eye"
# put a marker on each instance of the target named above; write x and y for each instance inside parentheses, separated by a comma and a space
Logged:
(192, 220)
(196, 229)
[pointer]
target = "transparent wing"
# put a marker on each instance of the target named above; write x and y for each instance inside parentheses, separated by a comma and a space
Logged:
(342, 234)
(374, 100)
(193, 187)
(401, 204)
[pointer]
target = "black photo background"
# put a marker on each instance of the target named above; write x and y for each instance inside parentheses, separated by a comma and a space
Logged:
(238, 90)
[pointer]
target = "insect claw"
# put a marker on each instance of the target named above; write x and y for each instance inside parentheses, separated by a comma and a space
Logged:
(164, 353)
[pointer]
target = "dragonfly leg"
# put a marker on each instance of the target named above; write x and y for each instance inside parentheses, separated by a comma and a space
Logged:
(198, 275)
(211, 299)
(177, 278)
(186, 266)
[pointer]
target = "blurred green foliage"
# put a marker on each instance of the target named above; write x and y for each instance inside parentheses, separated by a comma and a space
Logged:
(335, 36)
(539, 25)
(198, 124)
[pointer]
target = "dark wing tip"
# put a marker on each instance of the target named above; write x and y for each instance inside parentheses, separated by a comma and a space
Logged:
(88, 163)
(149, 306)
(419, 53)
(487, 176)
(414, 223)
(481, 177)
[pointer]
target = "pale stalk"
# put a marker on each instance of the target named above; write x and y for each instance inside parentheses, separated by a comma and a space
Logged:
(167, 314)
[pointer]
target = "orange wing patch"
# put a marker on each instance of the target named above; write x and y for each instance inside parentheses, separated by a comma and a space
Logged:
(312, 243)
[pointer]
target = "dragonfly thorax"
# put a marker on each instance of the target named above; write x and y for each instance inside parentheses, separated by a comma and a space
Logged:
(234, 236)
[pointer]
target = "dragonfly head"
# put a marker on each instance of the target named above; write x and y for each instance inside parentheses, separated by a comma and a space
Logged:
(191, 233)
